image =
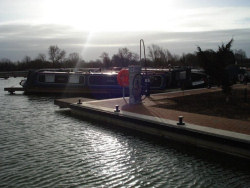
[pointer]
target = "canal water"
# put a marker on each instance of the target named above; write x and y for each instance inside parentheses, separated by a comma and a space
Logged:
(44, 146)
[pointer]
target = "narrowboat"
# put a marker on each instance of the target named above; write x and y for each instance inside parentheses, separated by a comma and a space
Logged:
(67, 82)
(78, 82)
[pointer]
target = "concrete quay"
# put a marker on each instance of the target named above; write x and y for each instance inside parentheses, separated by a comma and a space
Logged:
(220, 134)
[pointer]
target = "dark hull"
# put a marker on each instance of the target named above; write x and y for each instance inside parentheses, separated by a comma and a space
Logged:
(68, 90)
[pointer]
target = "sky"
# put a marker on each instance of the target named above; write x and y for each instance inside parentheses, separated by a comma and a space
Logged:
(91, 27)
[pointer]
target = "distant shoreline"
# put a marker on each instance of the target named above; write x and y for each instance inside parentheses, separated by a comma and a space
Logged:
(13, 74)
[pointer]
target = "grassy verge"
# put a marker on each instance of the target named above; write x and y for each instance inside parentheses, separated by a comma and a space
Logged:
(213, 104)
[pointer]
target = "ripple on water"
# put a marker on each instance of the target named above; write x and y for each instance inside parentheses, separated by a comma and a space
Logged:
(42, 146)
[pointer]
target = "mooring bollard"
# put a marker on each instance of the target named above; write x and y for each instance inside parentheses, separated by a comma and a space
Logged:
(180, 121)
(116, 108)
(79, 101)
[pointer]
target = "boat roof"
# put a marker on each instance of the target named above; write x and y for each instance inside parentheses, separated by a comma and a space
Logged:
(72, 73)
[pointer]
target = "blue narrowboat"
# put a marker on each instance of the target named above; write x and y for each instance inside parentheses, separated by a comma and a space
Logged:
(69, 82)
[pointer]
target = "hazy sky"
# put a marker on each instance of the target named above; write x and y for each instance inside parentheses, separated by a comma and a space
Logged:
(90, 27)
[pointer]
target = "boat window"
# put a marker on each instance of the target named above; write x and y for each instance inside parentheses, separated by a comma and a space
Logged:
(41, 78)
(50, 78)
(74, 79)
(155, 81)
(102, 80)
(196, 76)
(111, 80)
(183, 75)
(81, 79)
(61, 78)
(177, 75)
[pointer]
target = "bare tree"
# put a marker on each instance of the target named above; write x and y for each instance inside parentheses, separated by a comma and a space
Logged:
(26, 59)
(41, 57)
(124, 57)
(240, 55)
(61, 56)
(159, 55)
(74, 58)
(5, 60)
(106, 59)
(56, 54)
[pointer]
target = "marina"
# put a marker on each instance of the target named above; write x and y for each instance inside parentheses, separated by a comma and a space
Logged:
(142, 111)
(85, 102)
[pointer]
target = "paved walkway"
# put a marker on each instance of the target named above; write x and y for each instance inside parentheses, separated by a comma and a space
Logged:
(150, 107)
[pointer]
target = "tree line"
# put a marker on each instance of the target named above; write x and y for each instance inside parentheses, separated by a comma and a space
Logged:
(157, 57)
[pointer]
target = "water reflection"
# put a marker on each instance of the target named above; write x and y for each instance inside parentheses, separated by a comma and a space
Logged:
(44, 146)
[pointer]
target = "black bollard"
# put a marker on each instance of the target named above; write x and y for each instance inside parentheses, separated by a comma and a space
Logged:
(180, 121)
(79, 101)
(116, 108)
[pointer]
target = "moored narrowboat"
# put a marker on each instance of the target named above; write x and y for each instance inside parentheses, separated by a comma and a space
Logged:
(69, 82)
(59, 81)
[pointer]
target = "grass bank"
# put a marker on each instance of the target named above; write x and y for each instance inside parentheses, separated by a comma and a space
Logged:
(213, 104)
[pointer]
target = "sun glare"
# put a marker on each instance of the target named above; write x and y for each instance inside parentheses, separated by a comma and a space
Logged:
(112, 15)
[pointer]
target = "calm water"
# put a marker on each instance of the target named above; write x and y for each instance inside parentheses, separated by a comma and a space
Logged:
(43, 146)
